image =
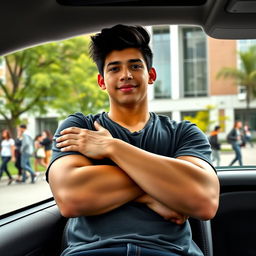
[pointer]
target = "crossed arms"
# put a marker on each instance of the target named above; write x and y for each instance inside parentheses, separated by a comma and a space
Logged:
(174, 188)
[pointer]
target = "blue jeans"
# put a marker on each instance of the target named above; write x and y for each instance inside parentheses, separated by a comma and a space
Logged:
(238, 155)
(5, 160)
(25, 165)
(124, 250)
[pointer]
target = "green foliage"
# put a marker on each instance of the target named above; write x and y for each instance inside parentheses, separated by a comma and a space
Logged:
(56, 76)
(201, 119)
(245, 75)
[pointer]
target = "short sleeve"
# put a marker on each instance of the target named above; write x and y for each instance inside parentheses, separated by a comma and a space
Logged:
(75, 120)
(192, 142)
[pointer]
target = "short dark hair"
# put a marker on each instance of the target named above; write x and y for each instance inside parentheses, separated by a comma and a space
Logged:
(216, 128)
(24, 126)
(120, 37)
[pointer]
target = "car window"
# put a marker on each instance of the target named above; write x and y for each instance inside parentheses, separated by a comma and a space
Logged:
(200, 79)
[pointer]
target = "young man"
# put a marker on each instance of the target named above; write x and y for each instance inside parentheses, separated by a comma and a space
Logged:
(130, 178)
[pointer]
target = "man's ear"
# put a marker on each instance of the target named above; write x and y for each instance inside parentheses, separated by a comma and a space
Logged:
(101, 82)
(152, 76)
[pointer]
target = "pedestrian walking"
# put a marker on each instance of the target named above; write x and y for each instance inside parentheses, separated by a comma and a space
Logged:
(248, 135)
(215, 145)
(27, 150)
(236, 139)
(18, 142)
(47, 143)
(7, 154)
(39, 153)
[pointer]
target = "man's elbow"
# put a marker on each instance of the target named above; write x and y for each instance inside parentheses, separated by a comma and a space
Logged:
(71, 207)
(207, 208)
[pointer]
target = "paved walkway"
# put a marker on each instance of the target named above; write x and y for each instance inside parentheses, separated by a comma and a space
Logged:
(248, 156)
(16, 195)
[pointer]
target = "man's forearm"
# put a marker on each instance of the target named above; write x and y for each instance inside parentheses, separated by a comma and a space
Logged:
(89, 190)
(178, 184)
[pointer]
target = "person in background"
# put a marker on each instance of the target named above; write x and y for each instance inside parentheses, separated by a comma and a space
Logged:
(18, 142)
(215, 145)
(26, 150)
(7, 154)
(248, 134)
(236, 139)
(39, 153)
(47, 143)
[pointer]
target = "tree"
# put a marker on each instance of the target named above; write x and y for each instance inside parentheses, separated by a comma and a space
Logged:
(245, 75)
(201, 119)
(53, 76)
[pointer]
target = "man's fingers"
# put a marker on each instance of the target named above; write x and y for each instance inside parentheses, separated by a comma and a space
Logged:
(70, 148)
(66, 143)
(98, 126)
(68, 130)
(66, 137)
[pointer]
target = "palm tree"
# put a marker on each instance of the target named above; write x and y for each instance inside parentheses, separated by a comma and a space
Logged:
(245, 74)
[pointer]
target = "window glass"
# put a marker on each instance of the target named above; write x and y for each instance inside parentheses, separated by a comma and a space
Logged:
(196, 94)
(162, 61)
(194, 62)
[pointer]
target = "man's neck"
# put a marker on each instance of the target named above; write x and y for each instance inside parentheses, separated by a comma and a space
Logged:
(132, 119)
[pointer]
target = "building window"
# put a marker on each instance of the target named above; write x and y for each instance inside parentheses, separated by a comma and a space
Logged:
(50, 124)
(244, 45)
(194, 62)
(162, 61)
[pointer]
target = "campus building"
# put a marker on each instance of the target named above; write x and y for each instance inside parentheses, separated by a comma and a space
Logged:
(187, 62)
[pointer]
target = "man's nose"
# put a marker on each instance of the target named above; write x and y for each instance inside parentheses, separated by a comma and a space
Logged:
(126, 74)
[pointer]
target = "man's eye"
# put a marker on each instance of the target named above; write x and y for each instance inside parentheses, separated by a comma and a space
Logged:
(136, 66)
(113, 69)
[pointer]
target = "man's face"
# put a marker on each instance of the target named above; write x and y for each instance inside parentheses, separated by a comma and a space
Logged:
(126, 77)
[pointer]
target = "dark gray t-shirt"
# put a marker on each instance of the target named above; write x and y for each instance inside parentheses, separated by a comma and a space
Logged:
(135, 222)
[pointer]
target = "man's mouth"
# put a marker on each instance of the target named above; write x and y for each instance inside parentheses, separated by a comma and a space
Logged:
(127, 88)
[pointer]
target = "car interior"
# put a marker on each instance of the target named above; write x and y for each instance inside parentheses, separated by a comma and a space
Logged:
(39, 229)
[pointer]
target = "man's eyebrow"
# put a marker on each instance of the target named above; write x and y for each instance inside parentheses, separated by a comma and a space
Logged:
(113, 63)
(134, 60)
(119, 62)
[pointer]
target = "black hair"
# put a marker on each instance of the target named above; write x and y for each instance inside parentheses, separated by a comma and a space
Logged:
(120, 37)
(24, 126)
(216, 128)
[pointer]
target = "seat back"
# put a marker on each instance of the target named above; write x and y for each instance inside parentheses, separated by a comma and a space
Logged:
(202, 235)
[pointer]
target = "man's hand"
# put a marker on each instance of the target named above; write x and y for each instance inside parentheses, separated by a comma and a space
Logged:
(162, 210)
(92, 144)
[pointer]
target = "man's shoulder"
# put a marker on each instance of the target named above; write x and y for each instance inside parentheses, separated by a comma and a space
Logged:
(78, 119)
(167, 120)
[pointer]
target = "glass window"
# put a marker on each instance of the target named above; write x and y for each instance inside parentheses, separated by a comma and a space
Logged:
(244, 45)
(194, 62)
(162, 61)
(192, 75)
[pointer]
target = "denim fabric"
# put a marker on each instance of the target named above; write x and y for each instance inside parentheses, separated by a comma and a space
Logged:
(5, 160)
(238, 155)
(124, 250)
(25, 165)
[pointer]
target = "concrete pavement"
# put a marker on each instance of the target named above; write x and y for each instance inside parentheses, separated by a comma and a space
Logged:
(248, 156)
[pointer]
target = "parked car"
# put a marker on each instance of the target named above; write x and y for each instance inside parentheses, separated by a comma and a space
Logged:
(39, 229)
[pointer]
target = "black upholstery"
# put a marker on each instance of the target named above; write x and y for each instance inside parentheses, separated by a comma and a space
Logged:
(202, 235)
(234, 226)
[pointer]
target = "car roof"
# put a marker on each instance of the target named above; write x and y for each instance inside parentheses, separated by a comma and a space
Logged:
(28, 22)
